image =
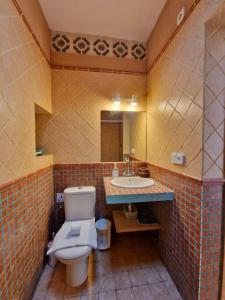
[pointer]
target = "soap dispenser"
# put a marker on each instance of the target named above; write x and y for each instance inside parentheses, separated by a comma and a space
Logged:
(115, 171)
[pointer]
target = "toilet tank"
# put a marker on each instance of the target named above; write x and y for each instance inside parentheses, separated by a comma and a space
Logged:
(79, 203)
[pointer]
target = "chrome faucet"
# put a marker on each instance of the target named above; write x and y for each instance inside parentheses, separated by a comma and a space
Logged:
(129, 167)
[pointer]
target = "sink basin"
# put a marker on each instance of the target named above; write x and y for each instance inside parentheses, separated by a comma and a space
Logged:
(132, 182)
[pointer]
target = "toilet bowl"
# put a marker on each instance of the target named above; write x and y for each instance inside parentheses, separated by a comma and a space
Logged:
(76, 260)
(79, 206)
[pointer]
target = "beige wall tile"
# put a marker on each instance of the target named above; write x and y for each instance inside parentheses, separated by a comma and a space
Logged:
(138, 135)
(25, 78)
(214, 92)
(73, 133)
(176, 96)
(32, 11)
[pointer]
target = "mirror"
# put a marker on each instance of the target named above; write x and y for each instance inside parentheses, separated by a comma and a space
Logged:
(123, 134)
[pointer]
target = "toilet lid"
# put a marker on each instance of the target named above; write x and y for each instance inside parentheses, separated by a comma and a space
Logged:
(74, 252)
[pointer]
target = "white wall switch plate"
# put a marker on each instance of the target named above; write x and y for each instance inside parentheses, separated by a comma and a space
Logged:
(178, 159)
(59, 197)
(132, 151)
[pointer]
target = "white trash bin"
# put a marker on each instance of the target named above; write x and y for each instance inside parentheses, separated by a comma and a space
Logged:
(103, 227)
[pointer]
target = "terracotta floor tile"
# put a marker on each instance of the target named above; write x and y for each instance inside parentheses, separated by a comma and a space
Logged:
(46, 277)
(103, 268)
(126, 294)
(101, 256)
(39, 295)
(71, 292)
(132, 262)
(107, 295)
(171, 288)
(159, 291)
(146, 261)
(128, 251)
(137, 277)
(72, 298)
(43, 283)
(151, 275)
(119, 265)
(122, 280)
(142, 293)
(124, 272)
(90, 297)
(55, 290)
(90, 286)
(59, 273)
(163, 273)
(106, 283)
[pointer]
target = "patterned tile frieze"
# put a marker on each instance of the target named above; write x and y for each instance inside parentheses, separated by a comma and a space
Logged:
(81, 45)
(99, 46)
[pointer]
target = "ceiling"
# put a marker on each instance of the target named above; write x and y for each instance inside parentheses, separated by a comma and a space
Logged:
(123, 19)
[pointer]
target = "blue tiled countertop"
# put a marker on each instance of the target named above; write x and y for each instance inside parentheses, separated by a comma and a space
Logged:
(155, 193)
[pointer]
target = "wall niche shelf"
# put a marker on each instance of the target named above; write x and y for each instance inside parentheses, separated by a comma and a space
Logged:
(42, 116)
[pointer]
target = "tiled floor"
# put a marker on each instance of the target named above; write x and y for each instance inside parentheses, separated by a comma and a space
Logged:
(131, 269)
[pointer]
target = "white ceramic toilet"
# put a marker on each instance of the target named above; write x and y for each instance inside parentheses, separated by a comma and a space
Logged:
(79, 205)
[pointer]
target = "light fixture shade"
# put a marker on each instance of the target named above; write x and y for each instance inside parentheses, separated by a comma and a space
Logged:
(116, 99)
(134, 100)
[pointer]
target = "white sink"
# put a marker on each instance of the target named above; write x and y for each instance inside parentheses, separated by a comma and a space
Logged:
(134, 182)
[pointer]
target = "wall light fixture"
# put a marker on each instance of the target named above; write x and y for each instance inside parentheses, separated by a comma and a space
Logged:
(117, 100)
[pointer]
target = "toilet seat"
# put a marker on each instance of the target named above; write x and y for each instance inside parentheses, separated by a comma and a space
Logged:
(72, 253)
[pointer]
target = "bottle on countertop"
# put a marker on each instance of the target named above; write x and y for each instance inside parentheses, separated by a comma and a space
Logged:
(115, 171)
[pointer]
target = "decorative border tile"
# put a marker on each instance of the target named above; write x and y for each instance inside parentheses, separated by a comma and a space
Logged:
(104, 70)
(97, 46)
(101, 70)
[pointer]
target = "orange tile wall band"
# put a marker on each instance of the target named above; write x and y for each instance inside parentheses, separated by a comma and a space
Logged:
(110, 165)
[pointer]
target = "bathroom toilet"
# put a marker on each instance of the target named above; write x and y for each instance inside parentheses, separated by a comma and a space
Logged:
(79, 206)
